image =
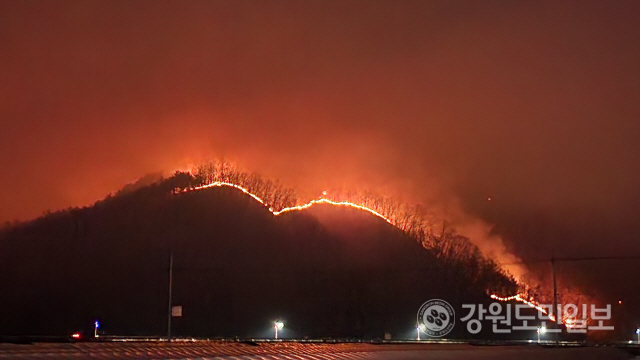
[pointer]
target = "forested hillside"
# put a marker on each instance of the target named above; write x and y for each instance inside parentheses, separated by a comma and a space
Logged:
(328, 271)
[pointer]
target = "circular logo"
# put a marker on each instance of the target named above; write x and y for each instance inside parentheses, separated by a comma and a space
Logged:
(436, 318)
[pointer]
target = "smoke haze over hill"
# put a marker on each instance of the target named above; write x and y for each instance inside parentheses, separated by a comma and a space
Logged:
(440, 104)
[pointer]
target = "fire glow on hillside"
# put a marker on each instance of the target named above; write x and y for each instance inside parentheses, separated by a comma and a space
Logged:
(297, 207)
(389, 219)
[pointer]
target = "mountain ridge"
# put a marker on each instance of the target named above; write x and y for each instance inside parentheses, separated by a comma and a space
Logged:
(237, 267)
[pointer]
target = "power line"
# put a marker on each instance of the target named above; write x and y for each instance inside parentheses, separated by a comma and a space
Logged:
(587, 258)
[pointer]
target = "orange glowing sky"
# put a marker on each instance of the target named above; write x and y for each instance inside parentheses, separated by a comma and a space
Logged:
(534, 104)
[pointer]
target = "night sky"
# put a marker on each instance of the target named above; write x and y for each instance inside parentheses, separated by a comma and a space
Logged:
(534, 104)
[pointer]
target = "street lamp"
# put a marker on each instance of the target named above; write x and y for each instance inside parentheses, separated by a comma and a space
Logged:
(278, 325)
(638, 333)
(541, 330)
(420, 328)
(96, 325)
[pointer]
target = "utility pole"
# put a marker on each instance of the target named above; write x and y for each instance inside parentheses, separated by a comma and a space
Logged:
(170, 293)
(555, 311)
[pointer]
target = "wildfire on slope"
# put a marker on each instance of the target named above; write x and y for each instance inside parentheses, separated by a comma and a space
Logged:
(520, 298)
(405, 219)
(293, 208)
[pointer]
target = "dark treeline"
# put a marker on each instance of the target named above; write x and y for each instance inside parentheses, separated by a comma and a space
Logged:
(327, 271)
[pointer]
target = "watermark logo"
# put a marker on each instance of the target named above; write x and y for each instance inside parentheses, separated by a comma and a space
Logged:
(504, 320)
(436, 318)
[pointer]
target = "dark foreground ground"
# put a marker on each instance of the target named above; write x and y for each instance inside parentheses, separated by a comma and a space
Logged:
(204, 350)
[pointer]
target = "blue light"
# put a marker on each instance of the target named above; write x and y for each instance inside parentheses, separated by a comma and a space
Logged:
(97, 324)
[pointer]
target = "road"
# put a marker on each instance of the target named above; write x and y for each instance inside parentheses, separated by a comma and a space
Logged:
(205, 350)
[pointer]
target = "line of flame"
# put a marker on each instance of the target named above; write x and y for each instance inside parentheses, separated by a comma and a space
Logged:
(220, 184)
(331, 202)
(292, 208)
(516, 297)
